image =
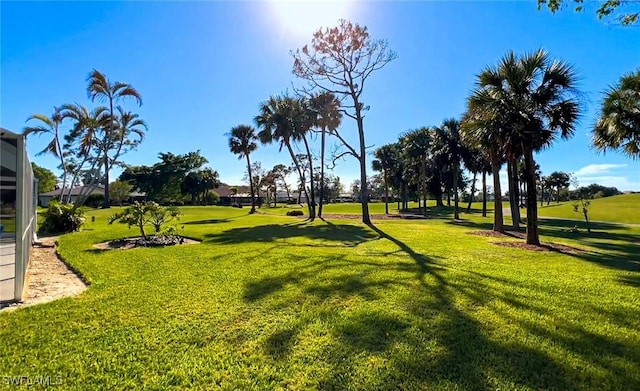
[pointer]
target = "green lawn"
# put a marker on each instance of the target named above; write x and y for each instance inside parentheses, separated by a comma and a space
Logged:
(620, 209)
(270, 301)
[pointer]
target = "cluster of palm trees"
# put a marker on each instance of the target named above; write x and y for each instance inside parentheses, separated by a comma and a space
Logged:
(290, 122)
(424, 162)
(98, 137)
(517, 108)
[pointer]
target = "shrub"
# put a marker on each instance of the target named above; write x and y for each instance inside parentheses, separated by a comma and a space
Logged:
(212, 198)
(295, 213)
(94, 200)
(146, 213)
(61, 218)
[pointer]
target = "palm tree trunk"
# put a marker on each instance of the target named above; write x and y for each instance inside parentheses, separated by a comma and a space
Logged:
(498, 223)
(64, 168)
(513, 193)
(473, 190)
(532, 204)
(303, 187)
(312, 205)
(322, 147)
(484, 193)
(253, 197)
(456, 214)
(386, 192)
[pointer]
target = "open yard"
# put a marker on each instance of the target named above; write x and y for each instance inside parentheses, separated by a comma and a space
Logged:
(268, 301)
(623, 208)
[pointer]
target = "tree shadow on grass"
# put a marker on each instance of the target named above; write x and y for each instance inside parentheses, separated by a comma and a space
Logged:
(208, 221)
(630, 280)
(345, 235)
(442, 343)
(621, 252)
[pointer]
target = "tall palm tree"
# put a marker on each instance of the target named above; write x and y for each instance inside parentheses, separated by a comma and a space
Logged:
(101, 88)
(304, 118)
(618, 126)
(448, 144)
(50, 125)
(83, 139)
(276, 121)
(537, 102)
(477, 162)
(386, 159)
(329, 117)
(416, 149)
(482, 130)
(242, 141)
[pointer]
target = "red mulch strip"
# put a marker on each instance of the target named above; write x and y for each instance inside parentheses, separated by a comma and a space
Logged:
(560, 248)
(496, 234)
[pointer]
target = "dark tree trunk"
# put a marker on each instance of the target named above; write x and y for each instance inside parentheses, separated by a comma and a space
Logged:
(456, 214)
(484, 193)
(302, 188)
(364, 186)
(498, 223)
(473, 190)
(532, 204)
(448, 197)
(322, 147)
(386, 192)
(312, 203)
(253, 197)
(513, 193)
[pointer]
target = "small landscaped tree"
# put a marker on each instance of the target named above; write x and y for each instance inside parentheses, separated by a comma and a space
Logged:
(141, 214)
(120, 191)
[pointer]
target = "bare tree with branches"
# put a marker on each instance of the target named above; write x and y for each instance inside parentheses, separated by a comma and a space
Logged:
(339, 60)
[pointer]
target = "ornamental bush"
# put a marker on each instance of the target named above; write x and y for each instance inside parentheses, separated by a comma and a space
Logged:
(61, 218)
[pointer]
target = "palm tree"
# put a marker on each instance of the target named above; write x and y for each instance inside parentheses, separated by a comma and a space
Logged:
(242, 141)
(448, 144)
(618, 126)
(329, 117)
(276, 121)
(386, 159)
(50, 125)
(99, 87)
(534, 100)
(482, 130)
(84, 138)
(416, 148)
(477, 163)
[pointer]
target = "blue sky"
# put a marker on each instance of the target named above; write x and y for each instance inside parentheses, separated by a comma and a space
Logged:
(204, 67)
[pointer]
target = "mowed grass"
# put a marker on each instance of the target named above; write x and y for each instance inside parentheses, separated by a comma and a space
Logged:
(623, 208)
(268, 302)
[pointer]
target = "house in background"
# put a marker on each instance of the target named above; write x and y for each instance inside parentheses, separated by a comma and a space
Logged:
(242, 196)
(17, 215)
(45, 198)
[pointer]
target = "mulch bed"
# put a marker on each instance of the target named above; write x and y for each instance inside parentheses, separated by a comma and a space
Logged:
(375, 216)
(496, 234)
(138, 241)
(560, 248)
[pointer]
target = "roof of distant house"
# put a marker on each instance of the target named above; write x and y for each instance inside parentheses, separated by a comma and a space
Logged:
(76, 191)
